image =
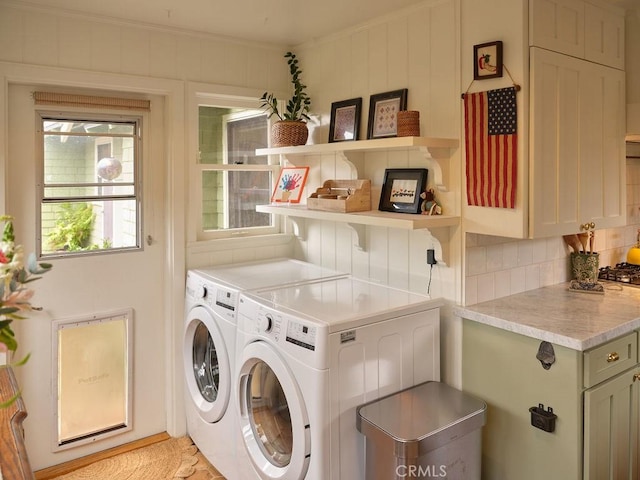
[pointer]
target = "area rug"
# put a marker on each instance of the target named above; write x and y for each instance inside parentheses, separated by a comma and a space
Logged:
(172, 459)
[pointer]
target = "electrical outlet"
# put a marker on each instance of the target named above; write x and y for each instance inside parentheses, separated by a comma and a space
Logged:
(431, 257)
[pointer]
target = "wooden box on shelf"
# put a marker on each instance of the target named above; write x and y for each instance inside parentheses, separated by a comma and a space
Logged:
(342, 196)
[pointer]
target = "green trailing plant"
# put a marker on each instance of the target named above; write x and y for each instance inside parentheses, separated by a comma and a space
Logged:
(298, 106)
(74, 225)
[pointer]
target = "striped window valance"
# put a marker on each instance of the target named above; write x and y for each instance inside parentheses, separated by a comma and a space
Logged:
(71, 100)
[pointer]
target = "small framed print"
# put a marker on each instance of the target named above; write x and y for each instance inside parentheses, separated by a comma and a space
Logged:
(345, 120)
(290, 185)
(383, 113)
(487, 60)
(402, 188)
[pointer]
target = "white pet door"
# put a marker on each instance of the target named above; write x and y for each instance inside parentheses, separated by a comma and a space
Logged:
(92, 369)
(273, 418)
(206, 364)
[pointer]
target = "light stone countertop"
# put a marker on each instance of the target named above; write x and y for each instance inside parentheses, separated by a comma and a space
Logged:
(576, 320)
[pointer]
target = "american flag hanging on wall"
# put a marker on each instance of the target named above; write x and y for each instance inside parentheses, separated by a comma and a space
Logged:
(491, 143)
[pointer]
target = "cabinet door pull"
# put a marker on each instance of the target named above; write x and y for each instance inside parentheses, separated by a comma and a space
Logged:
(636, 377)
(613, 357)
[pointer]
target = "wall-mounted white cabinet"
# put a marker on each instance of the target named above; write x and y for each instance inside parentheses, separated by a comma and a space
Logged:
(577, 156)
(590, 31)
(571, 124)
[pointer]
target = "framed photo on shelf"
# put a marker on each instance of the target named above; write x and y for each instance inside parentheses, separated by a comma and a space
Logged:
(383, 113)
(290, 185)
(345, 120)
(487, 59)
(402, 188)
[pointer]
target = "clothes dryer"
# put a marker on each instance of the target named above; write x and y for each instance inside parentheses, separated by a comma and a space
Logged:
(209, 348)
(309, 354)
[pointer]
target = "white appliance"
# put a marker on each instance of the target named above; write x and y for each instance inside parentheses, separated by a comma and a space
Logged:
(309, 354)
(209, 349)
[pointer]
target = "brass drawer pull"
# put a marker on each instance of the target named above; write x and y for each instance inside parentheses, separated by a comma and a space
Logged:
(636, 377)
(613, 357)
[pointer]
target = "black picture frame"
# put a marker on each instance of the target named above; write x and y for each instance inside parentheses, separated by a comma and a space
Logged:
(383, 113)
(487, 60)
(402, 188)
(345, 120)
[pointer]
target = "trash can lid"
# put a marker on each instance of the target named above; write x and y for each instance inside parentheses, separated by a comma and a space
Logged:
(428, 415)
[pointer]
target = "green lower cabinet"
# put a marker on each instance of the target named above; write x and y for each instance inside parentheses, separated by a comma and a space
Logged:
(501, 368)
(611, 427)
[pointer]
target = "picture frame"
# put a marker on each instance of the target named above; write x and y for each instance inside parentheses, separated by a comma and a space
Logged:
(383, 113)
(487, 60)
(345, 120)
(290, 184)
(402, 188)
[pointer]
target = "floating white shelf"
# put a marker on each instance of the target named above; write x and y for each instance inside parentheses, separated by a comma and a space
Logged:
(359, 220)
(393, 143)
(376, 218)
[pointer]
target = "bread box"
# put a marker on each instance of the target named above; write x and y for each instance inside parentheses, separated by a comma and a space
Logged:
(342, 196)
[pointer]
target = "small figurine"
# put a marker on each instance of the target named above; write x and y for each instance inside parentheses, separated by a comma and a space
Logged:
(429, 204)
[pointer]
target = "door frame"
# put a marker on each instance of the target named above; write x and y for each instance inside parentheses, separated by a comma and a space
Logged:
(175, 208)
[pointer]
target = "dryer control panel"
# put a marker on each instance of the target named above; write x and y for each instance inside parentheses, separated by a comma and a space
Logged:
(301, 335)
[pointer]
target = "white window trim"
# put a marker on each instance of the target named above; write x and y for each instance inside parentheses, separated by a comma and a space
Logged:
(223, 97)
(71, 113)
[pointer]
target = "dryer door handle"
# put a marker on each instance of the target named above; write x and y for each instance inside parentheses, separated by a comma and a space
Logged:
(242, 395)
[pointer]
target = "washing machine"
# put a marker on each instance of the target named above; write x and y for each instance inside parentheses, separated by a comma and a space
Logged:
(209, 349)
(309, 354)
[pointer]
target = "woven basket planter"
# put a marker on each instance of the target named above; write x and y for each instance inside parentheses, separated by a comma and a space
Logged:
(408, 123)
(288, 133)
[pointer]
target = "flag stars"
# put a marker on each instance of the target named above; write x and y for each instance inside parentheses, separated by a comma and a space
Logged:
(502, 111)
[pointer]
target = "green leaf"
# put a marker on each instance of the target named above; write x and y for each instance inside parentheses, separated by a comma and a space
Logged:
(9, 402)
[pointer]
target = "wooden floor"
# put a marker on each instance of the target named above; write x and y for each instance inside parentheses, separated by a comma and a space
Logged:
(63, 468)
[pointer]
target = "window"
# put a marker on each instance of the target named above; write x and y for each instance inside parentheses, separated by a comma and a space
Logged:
(89, 190)
(232, 179)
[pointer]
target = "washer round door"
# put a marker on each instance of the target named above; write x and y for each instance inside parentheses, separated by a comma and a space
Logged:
(206, 365)
(273, 417)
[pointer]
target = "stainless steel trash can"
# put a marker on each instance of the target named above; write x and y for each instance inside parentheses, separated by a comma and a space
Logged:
(427, 431)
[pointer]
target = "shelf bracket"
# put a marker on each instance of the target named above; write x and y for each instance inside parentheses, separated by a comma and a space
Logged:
(360, 231)
(353, 171)
(299, 227)
(437, 159)
(437, 246)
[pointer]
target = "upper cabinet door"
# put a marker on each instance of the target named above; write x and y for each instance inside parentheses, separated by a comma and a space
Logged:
(588, 30)
(577, 145)
(558, 25)
(604, 36)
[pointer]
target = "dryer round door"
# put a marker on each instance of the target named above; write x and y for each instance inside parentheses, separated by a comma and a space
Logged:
(206, 363)
(273, 417)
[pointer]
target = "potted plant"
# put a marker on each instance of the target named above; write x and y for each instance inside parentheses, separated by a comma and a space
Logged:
(291, 128)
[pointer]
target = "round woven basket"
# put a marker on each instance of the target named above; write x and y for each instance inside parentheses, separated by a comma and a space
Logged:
(287, 133)
(408, 123)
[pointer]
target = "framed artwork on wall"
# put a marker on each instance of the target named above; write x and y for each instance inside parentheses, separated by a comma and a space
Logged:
(487, 60)
(402, 188)
(345, 120)
(383, 113)
(290, 185)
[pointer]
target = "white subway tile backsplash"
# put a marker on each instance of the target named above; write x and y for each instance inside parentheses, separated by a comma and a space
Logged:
(476, 260)
(486, 287)
(525, 253)
(495, 257)
(532, 276)
(510, 255)
(502, 282)
(517, 280)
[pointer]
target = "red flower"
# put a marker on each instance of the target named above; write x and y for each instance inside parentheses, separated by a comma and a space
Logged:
(3, 258)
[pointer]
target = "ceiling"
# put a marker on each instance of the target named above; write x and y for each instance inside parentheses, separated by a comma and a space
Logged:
(281, 22)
